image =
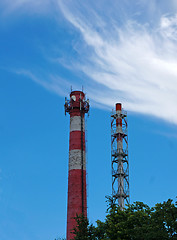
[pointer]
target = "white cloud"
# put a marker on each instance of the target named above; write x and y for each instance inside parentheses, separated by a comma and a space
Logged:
(131, 60)
(53, 83)
(33, 6)
(136, 64)
(169, 26)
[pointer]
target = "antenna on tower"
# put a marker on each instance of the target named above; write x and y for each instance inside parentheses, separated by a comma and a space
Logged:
(80, 102)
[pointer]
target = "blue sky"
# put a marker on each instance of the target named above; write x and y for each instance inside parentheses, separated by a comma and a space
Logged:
(120, 52)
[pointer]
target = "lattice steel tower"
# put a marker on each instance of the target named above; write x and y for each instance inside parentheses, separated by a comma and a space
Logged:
(119, 157)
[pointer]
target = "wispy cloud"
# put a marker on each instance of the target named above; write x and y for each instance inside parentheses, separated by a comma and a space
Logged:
(136, 63)
(127, 52)
(28, 6)
(52, 83)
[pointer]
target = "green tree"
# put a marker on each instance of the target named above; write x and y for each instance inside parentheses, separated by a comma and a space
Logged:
(164, 220)
(136, 222)
(83, 230)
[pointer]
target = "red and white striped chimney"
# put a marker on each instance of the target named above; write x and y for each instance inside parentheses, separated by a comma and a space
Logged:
(77, 106)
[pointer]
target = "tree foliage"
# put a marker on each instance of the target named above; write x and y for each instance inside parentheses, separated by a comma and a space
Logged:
(83, 230)
(136, 222)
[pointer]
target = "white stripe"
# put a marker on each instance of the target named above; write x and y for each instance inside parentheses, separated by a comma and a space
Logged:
(119, 129)
(75, 124)
(75, 159)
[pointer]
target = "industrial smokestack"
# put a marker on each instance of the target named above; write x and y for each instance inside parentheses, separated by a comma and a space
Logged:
(77, 106)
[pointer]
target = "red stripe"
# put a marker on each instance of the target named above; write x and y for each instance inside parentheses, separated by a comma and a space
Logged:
(119, 122)
(75, 140)
(118, 106)
(75, 112)
(75, 199)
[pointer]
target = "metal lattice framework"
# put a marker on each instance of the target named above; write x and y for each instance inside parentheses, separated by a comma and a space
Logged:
(119, 157)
